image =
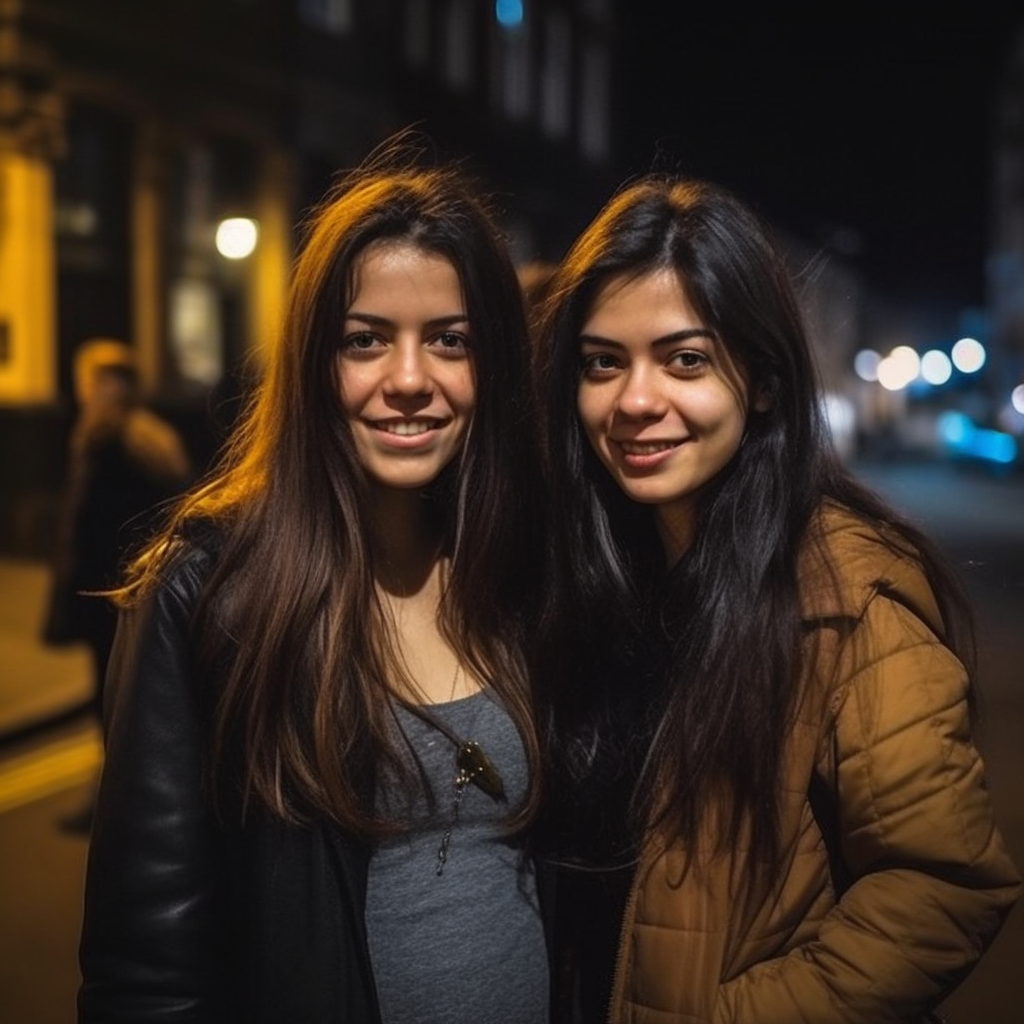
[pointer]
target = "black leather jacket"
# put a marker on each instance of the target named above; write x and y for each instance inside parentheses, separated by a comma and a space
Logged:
(190, 916)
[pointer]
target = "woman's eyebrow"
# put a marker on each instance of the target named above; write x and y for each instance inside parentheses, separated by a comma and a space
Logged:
(382, 321)
(668, 339)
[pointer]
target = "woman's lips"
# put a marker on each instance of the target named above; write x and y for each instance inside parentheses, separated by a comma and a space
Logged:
(410, 433)
(646, 454)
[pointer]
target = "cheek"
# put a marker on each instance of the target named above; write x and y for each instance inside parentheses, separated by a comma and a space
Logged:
(462, 390)
(349, 387)
(588, 407)
(716, 406)
(592, 417)
(729, 420)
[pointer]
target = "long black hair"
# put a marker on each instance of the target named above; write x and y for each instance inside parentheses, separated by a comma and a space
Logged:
(711, 647)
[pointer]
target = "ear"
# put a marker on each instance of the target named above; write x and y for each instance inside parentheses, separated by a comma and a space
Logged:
(762, 400)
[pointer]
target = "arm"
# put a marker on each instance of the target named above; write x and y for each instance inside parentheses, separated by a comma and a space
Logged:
(148, 948)
(931, 878)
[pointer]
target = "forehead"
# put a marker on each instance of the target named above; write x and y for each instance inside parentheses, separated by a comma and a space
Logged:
(652, 303)
(399, 270)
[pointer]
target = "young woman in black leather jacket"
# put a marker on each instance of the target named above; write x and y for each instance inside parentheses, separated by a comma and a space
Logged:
(319, 741)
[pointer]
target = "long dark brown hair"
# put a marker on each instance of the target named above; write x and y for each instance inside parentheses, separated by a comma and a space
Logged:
(290, 618)
(711, 649)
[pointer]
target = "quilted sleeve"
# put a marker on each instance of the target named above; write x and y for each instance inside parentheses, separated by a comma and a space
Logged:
(932, 880)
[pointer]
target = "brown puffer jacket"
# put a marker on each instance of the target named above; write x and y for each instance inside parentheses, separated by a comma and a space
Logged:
(884, 722)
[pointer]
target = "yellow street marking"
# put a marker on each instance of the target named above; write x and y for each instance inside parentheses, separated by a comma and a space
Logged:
(60, 766)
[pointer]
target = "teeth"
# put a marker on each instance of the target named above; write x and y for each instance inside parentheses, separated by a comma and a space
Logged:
(407, 428)
(649, 448)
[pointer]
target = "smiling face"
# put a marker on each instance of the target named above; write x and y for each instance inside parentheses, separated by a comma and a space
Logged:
(659, 399)
(405, 372)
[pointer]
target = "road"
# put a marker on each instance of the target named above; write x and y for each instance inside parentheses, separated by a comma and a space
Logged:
(47, 770)
(979, 522)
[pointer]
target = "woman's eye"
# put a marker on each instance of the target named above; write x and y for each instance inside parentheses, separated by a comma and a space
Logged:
(359, 341)
(452, 340)
(689, 360)
(598, 362)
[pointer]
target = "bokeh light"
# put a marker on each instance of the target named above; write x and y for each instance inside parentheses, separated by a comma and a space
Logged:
(899, 368)
(509, 13)
(936, 367)
(968, 355)
(865, 364)
(962, 436)
(236, 237)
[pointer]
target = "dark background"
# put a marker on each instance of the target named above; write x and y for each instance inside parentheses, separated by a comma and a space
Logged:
(868, 132)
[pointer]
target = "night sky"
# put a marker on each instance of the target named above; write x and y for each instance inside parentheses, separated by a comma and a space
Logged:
(875, 132)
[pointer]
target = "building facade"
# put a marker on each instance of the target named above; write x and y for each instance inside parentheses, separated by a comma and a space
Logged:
(130, 131)
(1005, 266)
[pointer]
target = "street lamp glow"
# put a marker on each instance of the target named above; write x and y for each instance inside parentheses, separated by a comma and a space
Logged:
(236, 237)
(936, 367)
(899, 368)
(865, 364)
(968, 355)
(1017, 398)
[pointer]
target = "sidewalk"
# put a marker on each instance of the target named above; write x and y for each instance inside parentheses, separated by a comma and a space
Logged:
(37, 683)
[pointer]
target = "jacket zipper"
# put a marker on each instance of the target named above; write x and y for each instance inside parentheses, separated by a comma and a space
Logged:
(626, 930)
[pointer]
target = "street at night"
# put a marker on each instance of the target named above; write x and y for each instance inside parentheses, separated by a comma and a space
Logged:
(277, 280)
(47, 772)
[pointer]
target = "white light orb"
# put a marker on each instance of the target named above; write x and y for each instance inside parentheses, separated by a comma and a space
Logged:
(865, 364)
(899, 368)
(236, 237)
(968, 355)
(1017, 398)
(889, 375)
(936, 367)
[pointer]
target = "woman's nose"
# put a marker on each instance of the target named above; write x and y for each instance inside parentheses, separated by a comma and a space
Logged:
(640, 395)
(407, 373)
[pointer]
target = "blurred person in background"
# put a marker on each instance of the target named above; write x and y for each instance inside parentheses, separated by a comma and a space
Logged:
(319, 738)
(765, 804)
(124, 462)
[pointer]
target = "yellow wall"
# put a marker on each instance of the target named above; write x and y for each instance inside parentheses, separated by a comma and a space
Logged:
(28, 368)
(147, 271)
(273, 256)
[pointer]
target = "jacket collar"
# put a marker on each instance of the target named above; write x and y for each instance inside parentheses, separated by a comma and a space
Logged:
(847, 561)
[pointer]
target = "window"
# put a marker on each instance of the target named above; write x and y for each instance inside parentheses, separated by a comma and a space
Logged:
(512, 68)
(594, 111)
(416, 34)
(333, 16)
(554, 75)
(458, 44)
(598, 11)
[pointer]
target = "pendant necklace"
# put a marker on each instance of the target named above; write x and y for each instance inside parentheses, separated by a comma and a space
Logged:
(473, 766)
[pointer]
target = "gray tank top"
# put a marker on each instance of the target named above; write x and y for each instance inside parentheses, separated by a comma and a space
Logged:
(466, 946)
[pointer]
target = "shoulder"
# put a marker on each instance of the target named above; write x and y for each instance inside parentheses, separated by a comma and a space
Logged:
(162, 618)
(186, 561)
(847, 562)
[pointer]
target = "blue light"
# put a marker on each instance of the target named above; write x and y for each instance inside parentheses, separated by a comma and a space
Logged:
(962, 437)
(994, 446)
(954, 428)
(509, 13)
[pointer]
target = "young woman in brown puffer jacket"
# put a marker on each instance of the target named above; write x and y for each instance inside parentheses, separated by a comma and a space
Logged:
(765, 805)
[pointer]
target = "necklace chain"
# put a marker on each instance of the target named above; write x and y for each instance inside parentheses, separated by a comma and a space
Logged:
(473, 766)
(462, 779)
